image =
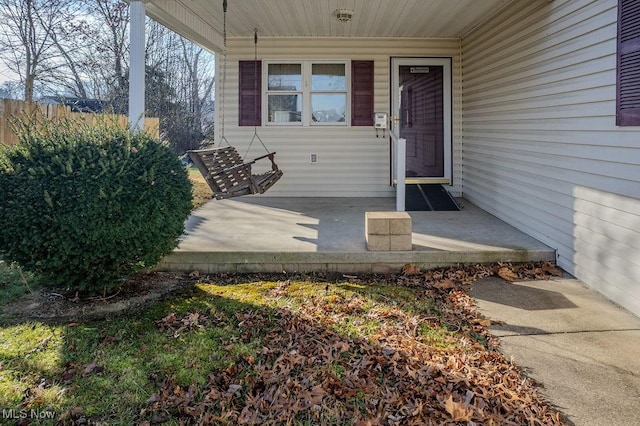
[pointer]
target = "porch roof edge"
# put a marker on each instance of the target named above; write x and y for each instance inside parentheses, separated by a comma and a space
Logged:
(173, 15)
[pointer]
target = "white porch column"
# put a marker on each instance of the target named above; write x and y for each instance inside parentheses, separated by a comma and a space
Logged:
(401, 158)
(136, 64)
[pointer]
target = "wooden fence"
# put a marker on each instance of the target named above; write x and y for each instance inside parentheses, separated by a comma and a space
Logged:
(11, 108)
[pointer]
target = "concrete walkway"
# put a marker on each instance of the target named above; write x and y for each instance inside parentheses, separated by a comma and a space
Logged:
(582, 348)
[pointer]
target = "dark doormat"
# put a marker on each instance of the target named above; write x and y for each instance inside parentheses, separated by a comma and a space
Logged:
(431, 197)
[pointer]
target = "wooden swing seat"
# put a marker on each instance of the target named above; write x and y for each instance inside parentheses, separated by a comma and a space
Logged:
(229, 175)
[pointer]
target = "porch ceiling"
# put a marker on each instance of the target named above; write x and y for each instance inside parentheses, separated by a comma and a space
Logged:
(201, 20)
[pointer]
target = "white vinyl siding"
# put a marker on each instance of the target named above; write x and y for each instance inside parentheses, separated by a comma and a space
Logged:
(352, 162)
(541, 148)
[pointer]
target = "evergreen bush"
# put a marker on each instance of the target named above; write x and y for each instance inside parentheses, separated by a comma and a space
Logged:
(85, 206)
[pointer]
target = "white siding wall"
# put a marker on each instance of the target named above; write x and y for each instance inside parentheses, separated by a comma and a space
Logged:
(352, 161)
(540, 146)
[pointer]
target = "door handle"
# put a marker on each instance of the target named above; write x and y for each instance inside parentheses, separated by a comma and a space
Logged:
(395, 121)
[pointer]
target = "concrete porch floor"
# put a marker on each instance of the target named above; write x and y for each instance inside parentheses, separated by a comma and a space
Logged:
(269, 234)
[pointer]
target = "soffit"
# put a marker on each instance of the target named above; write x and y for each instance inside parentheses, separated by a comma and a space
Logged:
(202, 20)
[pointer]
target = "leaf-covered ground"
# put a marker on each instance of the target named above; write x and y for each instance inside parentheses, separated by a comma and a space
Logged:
(369, 350)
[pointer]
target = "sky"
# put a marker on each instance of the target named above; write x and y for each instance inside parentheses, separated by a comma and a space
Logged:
(5, 74)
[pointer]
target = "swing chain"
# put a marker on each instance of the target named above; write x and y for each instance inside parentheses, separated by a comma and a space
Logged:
(224, 81)
(224, 72)
(255, 91)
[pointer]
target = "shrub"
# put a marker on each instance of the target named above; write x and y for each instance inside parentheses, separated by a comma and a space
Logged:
(85, 206)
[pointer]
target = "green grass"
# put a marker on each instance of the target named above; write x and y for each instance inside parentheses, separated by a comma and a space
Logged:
(216, 350)
(201, 191)
(14, 282)
(134, 355)
(34, 356)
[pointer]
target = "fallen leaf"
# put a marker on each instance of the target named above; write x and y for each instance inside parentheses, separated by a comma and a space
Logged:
(153, 398)
(444, 284)
(92, 368)
(303, 368)
(107, 340)
(69, 373)
(409, 270)
(459, 412)
(485, 322)
(159, 418)
(552, 269)
(234, 388)
(88, 368)
(507, 274)
(388, 351)
(343, 347)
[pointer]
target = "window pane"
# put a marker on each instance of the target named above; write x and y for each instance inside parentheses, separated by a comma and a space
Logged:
(328, 77)
(285, 108)
(328, 108)
(285, 77)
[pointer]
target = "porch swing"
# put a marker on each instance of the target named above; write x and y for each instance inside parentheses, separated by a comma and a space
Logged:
(225, 171)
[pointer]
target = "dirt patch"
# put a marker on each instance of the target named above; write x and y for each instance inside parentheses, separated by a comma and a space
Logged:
(139, 292)
(57, 307)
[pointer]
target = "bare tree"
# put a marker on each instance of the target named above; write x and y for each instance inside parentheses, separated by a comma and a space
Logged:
(73, 43)
(81, 48)
(184, 81)
(27, 37)
(109, 55)
(199, 81)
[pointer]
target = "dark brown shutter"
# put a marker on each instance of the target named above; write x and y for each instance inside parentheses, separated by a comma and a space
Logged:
(362, 93)
(628, 88)
(250, 93)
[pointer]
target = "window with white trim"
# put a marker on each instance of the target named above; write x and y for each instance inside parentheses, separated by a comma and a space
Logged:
(307, 93)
